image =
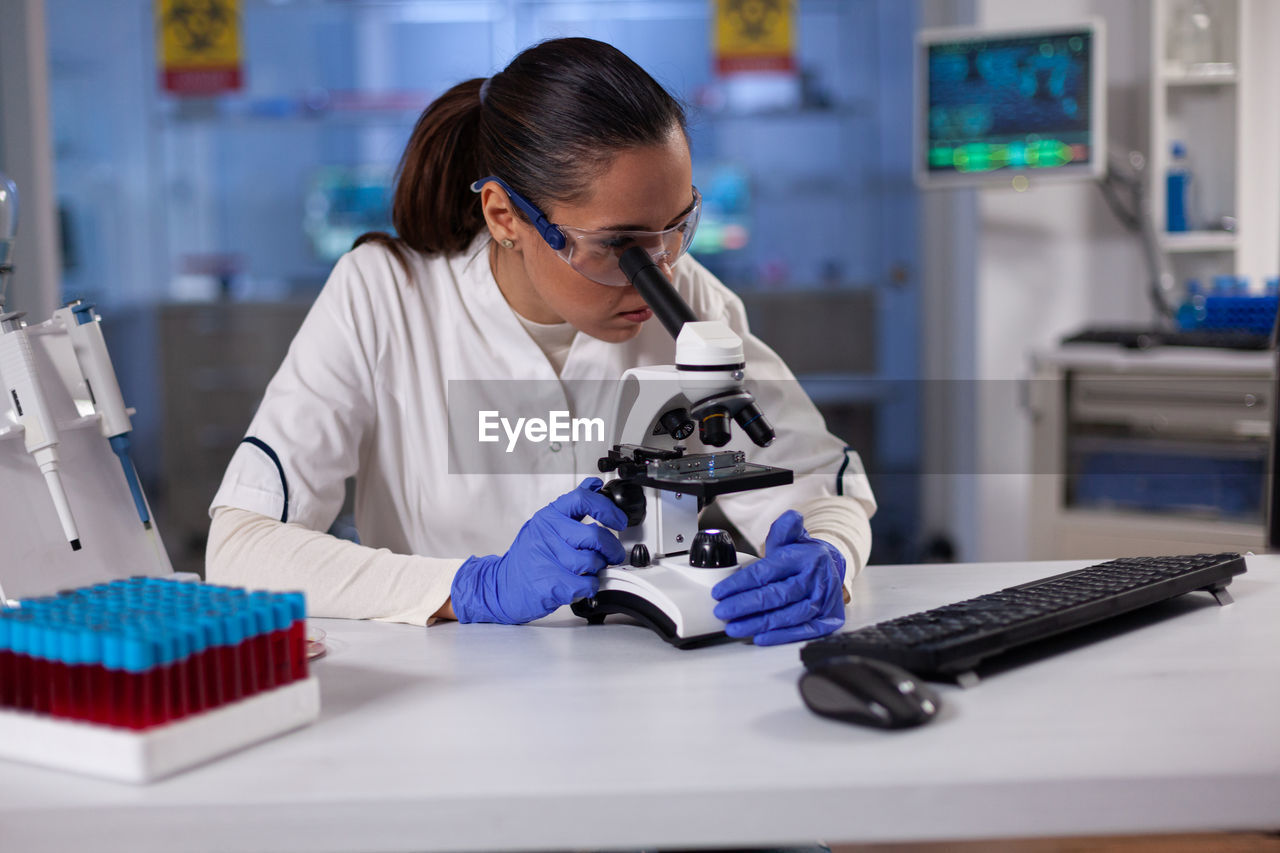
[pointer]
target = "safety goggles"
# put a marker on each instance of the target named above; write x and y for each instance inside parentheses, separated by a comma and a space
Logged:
(595, 253)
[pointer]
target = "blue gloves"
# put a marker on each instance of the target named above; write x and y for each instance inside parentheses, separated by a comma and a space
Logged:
(795, 592)
(553, 561)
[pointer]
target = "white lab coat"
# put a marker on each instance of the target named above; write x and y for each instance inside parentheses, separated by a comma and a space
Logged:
(364, 392)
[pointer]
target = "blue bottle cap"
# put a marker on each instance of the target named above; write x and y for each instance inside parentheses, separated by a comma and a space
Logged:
(69, 645)
(215, 632)
(298, 603)
(112, 651)
(278, 612)
(35, 640)
(260, 607)
(163, 646)
(6, 633)
(283, 611)
(139, 653)
(234, 626)
(183, 641)
(89, 649)
(69, 640)
(51, 643)
(199, 639)
(248, 622)
(83, 313)
(17, 636)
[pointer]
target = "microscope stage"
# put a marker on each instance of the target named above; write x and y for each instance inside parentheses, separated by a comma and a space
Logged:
(709, 483)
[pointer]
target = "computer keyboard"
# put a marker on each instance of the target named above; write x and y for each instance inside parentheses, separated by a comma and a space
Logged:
(948, 642)
(1143, 338)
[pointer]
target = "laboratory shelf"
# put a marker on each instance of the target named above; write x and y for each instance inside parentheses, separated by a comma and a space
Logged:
(1199, 241)
(1207, 78)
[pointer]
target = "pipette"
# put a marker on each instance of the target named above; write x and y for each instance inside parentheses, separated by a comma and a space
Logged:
(22, 388)
(84, 328)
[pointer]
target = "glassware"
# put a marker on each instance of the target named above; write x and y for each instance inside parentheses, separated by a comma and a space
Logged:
(1195, 38)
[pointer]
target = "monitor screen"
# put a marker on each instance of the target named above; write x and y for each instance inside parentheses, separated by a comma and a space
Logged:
(1010, 107)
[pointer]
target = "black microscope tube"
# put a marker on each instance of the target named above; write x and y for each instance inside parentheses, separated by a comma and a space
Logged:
(657, 292)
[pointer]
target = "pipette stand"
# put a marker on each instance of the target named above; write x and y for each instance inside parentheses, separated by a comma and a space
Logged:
(37, 558)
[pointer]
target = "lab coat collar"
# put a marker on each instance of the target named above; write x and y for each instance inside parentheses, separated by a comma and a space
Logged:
(491, 312)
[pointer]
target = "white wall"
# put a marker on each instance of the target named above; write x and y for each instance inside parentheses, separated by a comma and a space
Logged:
(27, 156)
(949, 230)
(1048, 262)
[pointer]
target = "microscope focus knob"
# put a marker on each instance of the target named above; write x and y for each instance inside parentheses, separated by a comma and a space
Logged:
(639, 555)
(712, 549)
(628, 496)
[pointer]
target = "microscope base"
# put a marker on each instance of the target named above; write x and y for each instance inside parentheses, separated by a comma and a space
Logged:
(648, 614)
(670, 597)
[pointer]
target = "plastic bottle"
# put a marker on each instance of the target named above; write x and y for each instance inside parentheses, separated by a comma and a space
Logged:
(1192, 312)
(1178, 190)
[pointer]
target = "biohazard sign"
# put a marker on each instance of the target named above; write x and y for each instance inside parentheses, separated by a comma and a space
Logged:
(755, 35)
(199, 45)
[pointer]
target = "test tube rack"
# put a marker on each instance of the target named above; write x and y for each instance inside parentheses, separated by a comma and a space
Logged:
(137, 679)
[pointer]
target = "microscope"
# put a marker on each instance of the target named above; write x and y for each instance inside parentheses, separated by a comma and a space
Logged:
(672, 564)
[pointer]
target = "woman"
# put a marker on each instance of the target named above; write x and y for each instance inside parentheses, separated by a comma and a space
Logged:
(479, 285)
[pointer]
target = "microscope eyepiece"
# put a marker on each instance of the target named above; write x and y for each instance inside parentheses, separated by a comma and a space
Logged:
(677, 423)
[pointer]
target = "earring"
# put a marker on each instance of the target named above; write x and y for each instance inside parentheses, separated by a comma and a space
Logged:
(507, 244)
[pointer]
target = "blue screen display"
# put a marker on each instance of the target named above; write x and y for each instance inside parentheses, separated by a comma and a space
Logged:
(1012, 103)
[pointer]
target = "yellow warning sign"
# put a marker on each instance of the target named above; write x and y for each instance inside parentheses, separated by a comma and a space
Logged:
(199, 45)
(755, 35)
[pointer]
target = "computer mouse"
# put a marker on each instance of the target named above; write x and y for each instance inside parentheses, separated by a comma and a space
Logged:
(869, 693)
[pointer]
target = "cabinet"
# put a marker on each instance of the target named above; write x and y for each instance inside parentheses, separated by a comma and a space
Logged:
(195, 373)
(1156, 452)
(1215, 95)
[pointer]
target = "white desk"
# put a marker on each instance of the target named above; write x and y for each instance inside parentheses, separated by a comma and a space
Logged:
(559, 735)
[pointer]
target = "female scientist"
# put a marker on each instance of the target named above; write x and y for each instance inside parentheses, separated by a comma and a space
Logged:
(471, 288)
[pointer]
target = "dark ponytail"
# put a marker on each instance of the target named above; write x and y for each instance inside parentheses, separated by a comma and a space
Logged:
(548, 125)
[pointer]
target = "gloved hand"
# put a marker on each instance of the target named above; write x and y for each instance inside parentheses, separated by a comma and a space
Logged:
(794, 592)
(552, 561)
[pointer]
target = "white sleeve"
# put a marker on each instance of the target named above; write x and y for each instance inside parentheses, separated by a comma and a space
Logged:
(843, 522)
(830, 488)
(339, 578)
(316, 415)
